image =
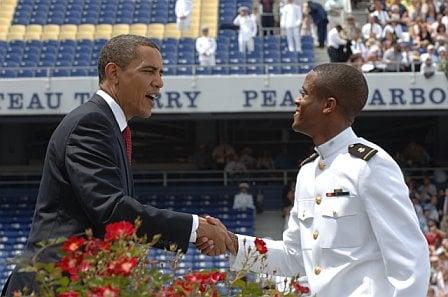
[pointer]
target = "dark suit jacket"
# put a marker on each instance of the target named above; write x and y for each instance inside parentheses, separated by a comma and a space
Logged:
(87, 183)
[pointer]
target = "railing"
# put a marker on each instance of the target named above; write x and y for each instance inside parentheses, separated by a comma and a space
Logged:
(206, 177)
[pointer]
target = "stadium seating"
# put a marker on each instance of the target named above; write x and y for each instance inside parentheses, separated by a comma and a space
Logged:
(47, 23)
(17, 208)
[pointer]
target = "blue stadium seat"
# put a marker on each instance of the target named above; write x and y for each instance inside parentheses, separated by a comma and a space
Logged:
(289, 57)
(169, 70)
(288, 69)
(13, 57)
(220, 70)
(79, 72)
(25, 73)
(61, 72)
(254, 70)
(169, 58)
(237, 57)
(200, 70)
(184, 70)
(271, 57)
(185, 58)
(274, 69)
(7, 73)
(254, 58)
(237, 70)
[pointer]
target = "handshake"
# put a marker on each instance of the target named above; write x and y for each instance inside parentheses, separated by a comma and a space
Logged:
(214, 239)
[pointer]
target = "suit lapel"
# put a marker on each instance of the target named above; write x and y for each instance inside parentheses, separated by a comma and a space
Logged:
(102, 104)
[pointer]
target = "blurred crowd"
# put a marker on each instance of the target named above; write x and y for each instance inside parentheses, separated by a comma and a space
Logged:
(397, 35)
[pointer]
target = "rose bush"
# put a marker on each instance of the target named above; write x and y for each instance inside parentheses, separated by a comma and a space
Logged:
(118, 265)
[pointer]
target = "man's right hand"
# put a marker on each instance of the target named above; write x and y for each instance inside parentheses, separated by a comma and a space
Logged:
(206, 244)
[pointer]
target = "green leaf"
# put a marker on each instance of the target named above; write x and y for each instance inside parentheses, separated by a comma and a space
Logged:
(239, 284)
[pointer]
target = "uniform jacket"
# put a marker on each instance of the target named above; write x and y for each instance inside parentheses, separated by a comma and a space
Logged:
(353, 230)
(87, 183)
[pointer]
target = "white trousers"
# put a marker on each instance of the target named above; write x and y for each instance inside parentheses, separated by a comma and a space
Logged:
(293, 37)
(207, 60)
(245, 44)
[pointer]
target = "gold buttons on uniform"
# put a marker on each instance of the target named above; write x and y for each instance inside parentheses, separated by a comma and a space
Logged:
(317, 270)
(315, 234)
(318, 200)
(321, 164)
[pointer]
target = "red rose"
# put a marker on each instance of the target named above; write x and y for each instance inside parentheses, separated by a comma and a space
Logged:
(260, 245)
(71, 265)
(299, 288)
(217, 276)
(107, 291)
(72, 244)
(70, 293)
(118, 230)
(122, 266)
(93, 246)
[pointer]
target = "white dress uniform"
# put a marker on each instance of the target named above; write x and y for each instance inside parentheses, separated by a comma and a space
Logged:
(291, 19)
(206, 47)
(247, 32)
(183, 9)
(243, 201)
(352, 231)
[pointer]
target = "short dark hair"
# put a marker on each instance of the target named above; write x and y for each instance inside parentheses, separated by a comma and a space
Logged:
(121, 50)
(345, 83)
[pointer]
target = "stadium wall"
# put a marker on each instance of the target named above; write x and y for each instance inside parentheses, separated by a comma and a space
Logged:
(221, 94)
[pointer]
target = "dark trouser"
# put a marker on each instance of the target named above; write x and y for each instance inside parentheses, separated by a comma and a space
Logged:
(335, 54)
(322, 33)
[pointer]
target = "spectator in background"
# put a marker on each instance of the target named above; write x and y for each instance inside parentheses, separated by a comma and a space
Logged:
(380, 13)
(256, 17)
(307, 28)
(183, 13)
(320, 19)
(265, 161)
(393, 57)
(394, 27)
(401, 8)
(350, 27)
(440, 35)
(357, 45)
(243, 200)
(206, 48)
(372, 29)
(429, 54)
(427, 189)
(290, 21)
(428, 68)
(222, 154)
(235, 168)
(247, 30)
(335, 11)
(247, 159)
(443, 60)
(267, 16)
(336, 45)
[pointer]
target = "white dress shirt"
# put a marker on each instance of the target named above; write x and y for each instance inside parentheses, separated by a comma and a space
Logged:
(248, 27)
(371, 28)
(334, 40)
(206, 48)
(183, 8)
(365, 242)
(122, 123)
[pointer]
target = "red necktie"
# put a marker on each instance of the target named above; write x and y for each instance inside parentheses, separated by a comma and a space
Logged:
(128, 142)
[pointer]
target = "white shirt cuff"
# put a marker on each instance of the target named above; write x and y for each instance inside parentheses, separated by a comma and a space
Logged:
(194, 228)
(244, 242)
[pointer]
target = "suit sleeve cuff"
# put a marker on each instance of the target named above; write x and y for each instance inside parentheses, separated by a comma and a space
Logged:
(194, 228)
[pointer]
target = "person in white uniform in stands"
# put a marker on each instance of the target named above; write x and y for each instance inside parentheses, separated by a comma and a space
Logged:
(353, 230)
(183, 13)
(206, 48)
(290, 21)
(247, 29)
(243, 200)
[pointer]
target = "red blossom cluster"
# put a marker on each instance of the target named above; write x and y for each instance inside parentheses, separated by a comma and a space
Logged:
(202, 281)
(79, 253)
(300, 289)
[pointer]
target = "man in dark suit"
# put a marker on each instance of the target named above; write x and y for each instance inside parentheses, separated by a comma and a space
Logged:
(87, 180)
(320, 19)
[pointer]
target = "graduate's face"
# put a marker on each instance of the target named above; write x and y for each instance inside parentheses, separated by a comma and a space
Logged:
(309, 107)
(140, 83)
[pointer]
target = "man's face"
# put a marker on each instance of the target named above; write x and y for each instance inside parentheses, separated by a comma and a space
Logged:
(307, 117)
(140, 82)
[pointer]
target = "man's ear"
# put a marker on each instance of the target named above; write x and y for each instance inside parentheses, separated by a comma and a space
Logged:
(330, 105)
(112, 71)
